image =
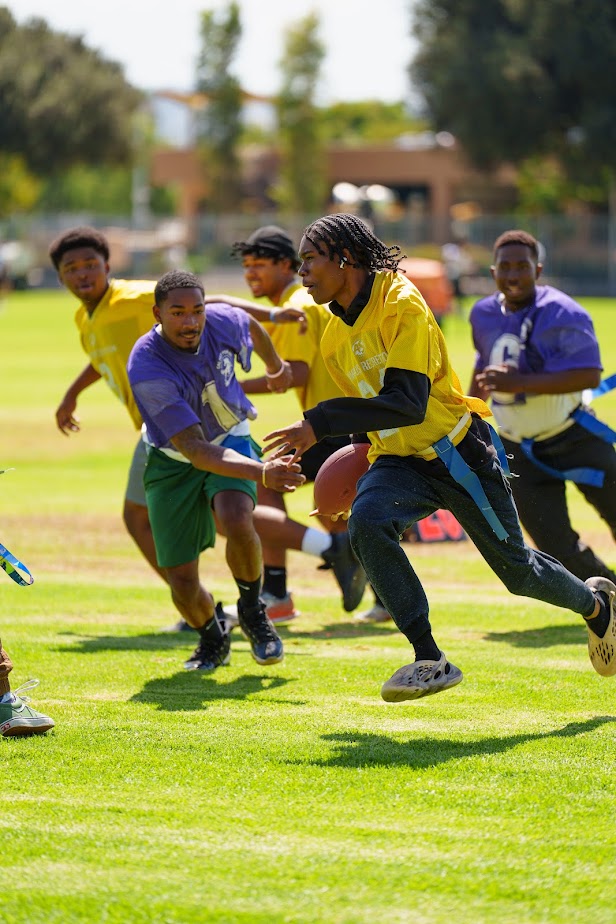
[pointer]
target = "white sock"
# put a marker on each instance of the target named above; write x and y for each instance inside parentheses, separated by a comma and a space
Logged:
(7, 698)
(315, 541)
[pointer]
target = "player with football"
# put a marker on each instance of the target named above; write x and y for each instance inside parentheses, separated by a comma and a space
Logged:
(202, 464)
(430, 449)
(269, 259)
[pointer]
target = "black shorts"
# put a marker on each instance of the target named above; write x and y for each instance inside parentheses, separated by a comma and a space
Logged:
(313, 459)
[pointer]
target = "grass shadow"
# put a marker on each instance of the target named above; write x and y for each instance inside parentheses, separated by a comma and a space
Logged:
(367, 750)
(154, 641)
(348, 630)
(546, 637)
(192, 690)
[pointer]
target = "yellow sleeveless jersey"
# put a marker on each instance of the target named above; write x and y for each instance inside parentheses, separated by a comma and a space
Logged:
(396, 329)
(122, 316)
(296, 347)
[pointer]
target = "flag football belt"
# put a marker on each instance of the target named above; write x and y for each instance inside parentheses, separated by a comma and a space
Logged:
(593, 477)
(461, 472)
(13, 567)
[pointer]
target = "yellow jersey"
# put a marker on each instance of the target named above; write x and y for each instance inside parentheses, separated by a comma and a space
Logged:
(296, 347)
(108, 335)
(396, 329)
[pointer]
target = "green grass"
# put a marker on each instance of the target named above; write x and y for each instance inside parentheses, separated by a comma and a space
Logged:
(293, 793)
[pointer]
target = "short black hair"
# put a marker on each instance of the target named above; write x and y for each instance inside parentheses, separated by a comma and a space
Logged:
(176, 279)
(82, 236)
(342, 232)
(269, 243)
(517, 237)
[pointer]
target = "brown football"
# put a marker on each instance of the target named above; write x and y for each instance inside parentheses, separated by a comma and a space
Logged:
(335, 486)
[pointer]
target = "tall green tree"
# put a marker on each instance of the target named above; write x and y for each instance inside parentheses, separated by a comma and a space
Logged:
(220, 124)
(514, 79)
(302, 175)
(61, 103)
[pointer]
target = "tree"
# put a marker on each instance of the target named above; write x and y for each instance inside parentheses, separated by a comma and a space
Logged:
(302, 183)
(61, 103)
(513, 79)
(220, 126)
(367, 121)
(19, 188)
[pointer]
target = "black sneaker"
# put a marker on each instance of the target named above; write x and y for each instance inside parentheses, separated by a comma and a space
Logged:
(347, 570)
(214, 648)
(264, 640)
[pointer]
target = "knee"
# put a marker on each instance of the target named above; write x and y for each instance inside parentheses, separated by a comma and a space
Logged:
(237, 524)
(184, 583)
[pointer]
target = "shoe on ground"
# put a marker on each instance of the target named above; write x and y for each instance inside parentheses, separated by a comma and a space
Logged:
(602, 651)
(264, 641)
(378, 613)
(422, 678)
(180, 626)
(347, 570)
(214, 648)
(17, 718)
(279, 609)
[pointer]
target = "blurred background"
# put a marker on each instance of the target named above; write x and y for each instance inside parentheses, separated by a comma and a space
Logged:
(440, 123)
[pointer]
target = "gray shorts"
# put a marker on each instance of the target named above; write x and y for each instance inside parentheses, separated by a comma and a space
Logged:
(135, 491)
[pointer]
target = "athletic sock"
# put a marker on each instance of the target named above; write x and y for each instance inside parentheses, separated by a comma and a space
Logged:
(249, 593)
(601, 621)
(426, 648)
(7, 698)
(275, 581)
(315, 541)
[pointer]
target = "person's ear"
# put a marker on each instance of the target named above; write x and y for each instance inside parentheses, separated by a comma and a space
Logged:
(156, 313)
(539, 270)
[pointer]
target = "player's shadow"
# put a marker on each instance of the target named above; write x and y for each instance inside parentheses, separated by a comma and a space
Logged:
(191, 690)
(345, 630)
(545, 637)
(155, 641)
(363, 750)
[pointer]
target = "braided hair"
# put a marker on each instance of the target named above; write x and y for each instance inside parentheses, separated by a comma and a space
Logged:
(344, 234)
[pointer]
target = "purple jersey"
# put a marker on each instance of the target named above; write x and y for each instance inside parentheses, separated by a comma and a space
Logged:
(552, 334)
(175, 390)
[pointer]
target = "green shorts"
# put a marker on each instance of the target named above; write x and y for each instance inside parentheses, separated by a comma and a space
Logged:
(179, 498)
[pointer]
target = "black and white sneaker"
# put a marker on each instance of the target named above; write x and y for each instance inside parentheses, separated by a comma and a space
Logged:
(264, 641)
(347, 570)
(214, 648)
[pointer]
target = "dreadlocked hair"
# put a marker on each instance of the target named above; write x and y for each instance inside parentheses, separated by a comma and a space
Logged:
(344, 234)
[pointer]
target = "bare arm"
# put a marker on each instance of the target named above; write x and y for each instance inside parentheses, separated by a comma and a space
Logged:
(261, 313)
(65, 419)
(502, 378)
(278, 373)
(259, 385)
(277, 473)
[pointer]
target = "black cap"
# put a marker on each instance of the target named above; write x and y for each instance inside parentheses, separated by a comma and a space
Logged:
(268, 241)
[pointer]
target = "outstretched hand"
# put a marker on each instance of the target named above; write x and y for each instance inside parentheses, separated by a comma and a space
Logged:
(287, 315)
(282, 474)
(296, 438)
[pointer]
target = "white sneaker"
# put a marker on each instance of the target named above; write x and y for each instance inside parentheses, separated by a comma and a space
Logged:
(602, 651)
(378, 613)
(421, 678)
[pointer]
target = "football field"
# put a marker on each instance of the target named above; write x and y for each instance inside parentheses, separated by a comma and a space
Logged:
(290, 793)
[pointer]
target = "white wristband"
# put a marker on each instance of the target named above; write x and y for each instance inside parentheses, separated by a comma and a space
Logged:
(273, 313)
(274, 375)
